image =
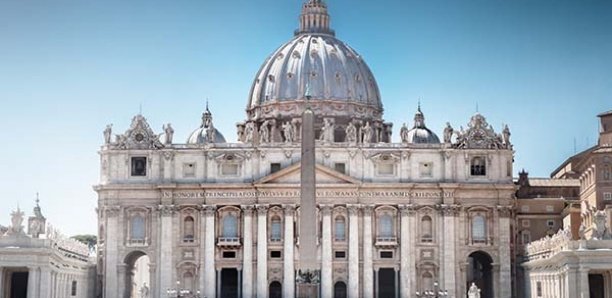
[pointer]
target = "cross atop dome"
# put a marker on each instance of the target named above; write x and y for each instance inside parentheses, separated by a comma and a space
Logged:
(314, 18)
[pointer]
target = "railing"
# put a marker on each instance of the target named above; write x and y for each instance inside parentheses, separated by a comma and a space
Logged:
(549, 245)
(228, 241)
(137, 242)
(386, 241)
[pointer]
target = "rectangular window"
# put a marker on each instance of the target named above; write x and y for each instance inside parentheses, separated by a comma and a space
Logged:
(425, 169)
(139, 166)
(73, 289)
(385, 168)
(229, 169)
(275, 254)
(539, 289)
(340, 254)
(189, 169)
(607, 196)
(526, 237)
(386, 254)
(550, 223)
(340, 167)
(229, 254)
(275, 167)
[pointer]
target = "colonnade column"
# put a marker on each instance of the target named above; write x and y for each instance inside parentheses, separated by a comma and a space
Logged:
(353, 251)
(368, 269)
(326, 252)
(165, 244)
(288, 260)
(210, 286)
(405, 252)
(247, 251)
(262, 251)
(1, 281)
(111, 214)
(45, 282)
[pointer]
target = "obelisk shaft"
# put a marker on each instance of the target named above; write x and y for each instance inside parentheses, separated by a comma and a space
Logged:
(307, 284)
(308, 245)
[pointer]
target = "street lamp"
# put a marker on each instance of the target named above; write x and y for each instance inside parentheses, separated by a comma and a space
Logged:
(435, 293)
(181, 293)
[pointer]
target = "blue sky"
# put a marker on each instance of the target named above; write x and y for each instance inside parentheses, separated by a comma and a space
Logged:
(68, 68)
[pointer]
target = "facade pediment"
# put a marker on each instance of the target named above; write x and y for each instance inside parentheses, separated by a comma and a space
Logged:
(291, 175)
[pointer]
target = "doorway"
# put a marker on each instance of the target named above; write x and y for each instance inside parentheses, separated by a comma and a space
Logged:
(137, 278)
(229, 283)
(340, 290)
(386, 283)
(19, 285)
(480, 272)
(596, 286)
(276, 290)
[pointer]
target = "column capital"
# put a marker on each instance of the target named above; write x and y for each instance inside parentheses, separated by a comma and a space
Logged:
(288, 208)
(166, 210)
(367, 209)
(407, 209)
(247, 209)
(112, 211)
(504, 211)
(353, 209)
(262, 209)
(326, 208)
(209, 209)
(449, 209)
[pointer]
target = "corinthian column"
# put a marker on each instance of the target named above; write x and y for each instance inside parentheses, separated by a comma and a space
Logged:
(504, 251)
(288, 270)
(262, 251)
(326, 253)
(210, 288)
(405, 251)
(165, 264)
(353, 251)
(368, 269)
(247, 252)
(112, 259)
(449, 212)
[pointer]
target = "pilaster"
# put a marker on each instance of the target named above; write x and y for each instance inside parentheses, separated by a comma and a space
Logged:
(505, 274)
(368, 268)
(262, 251)
(111, 213)
(353, 250)
(247, 251)
(326, 252)
(406, 261)
(288, 261)
(210, 286)
(449, 212)
(165, 244)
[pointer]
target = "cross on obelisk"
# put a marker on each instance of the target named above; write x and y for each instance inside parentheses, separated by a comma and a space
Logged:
(307, 279)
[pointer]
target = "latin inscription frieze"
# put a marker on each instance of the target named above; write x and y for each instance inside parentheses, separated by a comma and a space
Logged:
(296, 194)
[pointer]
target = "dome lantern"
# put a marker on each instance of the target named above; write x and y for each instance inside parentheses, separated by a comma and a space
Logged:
(314, 18)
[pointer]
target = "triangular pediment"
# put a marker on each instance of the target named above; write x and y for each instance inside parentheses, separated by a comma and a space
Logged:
(323, 174)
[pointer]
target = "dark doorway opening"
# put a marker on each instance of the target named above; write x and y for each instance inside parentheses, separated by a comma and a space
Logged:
(340, 290)
(276, 290)
(480, 272)
(386, 283)
(19, 285)
(596, 286)
(229, 283)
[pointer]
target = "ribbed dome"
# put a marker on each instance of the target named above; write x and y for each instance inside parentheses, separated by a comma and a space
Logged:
(419, 133)
(332, 70)
(206, 133)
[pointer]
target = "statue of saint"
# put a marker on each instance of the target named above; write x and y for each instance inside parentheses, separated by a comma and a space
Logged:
(474, 291)
(144, 291)
(169, 133)
(288, 132)
(16, 222)
(210, 133)
(404, 133)
(448, 133)
(264, 132)
(367, 133)
(506, 136)
(351, 133)
(248, 132)
(107, 134)
(327, 131)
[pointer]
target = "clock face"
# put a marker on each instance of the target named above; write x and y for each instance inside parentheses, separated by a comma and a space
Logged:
(139, 137)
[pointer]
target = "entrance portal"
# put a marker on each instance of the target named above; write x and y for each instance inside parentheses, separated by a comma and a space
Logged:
(386, 283)
(480, 272)
(229, 283)
(19, 285)
(137, 279)
(596, 286)
(340, 290)
(276, 290)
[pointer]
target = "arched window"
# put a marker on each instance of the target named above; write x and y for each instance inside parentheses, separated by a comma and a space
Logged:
(340, 228)
(275, 229)
(340, 290)
(137, 231)
(478, 167)
(426, 229)
(188, 229)
(479, 229)
(385, 229)
(230, 226)
(606, 173)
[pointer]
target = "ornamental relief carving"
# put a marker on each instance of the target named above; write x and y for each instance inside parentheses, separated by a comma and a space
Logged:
(166, 210)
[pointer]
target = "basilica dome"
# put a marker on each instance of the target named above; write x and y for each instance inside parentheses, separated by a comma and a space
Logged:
(317, 65)
(206, 133)
(419, 133)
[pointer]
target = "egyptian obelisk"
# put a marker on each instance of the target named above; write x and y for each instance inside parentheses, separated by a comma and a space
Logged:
(307, 279)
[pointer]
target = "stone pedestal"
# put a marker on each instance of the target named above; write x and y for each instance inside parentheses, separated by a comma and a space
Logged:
(307, 290)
